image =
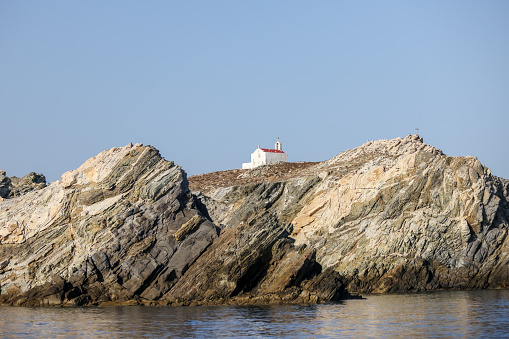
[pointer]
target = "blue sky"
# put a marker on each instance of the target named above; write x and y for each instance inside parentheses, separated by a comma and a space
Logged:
(205, 82)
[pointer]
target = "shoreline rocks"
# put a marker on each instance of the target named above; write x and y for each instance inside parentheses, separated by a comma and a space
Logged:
(128, 227)
(124, 226)
(388, 216)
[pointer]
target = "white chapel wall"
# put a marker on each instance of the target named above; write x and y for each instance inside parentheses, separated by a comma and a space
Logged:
(259, 157)
(275, 157)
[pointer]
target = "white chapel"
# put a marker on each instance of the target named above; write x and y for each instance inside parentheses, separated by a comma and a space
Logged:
(265, 156)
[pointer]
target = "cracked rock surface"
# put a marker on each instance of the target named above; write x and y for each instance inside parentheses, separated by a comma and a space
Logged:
(124, 229)
(388, 216)
(127, 227)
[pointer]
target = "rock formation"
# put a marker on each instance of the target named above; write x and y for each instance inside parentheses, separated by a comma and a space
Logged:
(5, 185)
(124, 228)
(127, 228)
(390, 215)
(14, 187)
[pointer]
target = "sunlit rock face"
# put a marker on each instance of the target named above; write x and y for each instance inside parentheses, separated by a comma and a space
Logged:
(127, 227)
(104, 232)
(390, 215)
(124, 228)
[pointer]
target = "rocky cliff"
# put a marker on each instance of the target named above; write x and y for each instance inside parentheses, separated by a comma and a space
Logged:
(128, 227)
(390, 215)
(124, 228)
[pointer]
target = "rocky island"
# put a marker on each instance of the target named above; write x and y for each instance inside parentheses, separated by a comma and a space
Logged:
(128, 227)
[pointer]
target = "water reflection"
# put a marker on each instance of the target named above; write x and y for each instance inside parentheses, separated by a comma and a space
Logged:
(468, 314)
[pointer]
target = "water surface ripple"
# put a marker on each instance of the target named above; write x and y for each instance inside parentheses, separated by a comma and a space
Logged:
(454, 314)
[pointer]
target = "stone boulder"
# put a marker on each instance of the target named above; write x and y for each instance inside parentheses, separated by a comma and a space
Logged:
(5, 185)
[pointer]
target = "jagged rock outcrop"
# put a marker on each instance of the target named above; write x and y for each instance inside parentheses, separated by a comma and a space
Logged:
(124, 228)
(14, 187)
(30, 182)
(257, 262)
(5, 185)
(102, 233)
(390, 215)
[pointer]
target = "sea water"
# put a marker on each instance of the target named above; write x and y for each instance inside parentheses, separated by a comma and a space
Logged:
(442, 314)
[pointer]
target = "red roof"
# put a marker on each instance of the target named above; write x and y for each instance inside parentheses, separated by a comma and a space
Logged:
(271, 150)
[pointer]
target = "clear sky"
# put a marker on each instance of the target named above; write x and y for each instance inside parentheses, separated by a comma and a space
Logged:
(205, 82)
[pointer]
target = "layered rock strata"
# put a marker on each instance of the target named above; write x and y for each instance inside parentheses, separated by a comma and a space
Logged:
(390, 215)
(128, 228)
(124, 229)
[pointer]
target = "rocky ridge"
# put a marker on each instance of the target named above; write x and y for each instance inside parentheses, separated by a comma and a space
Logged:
(128, 228)
(390, 215)
(124, 228)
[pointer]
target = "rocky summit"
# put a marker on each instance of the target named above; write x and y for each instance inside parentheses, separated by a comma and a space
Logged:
(128, 227)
